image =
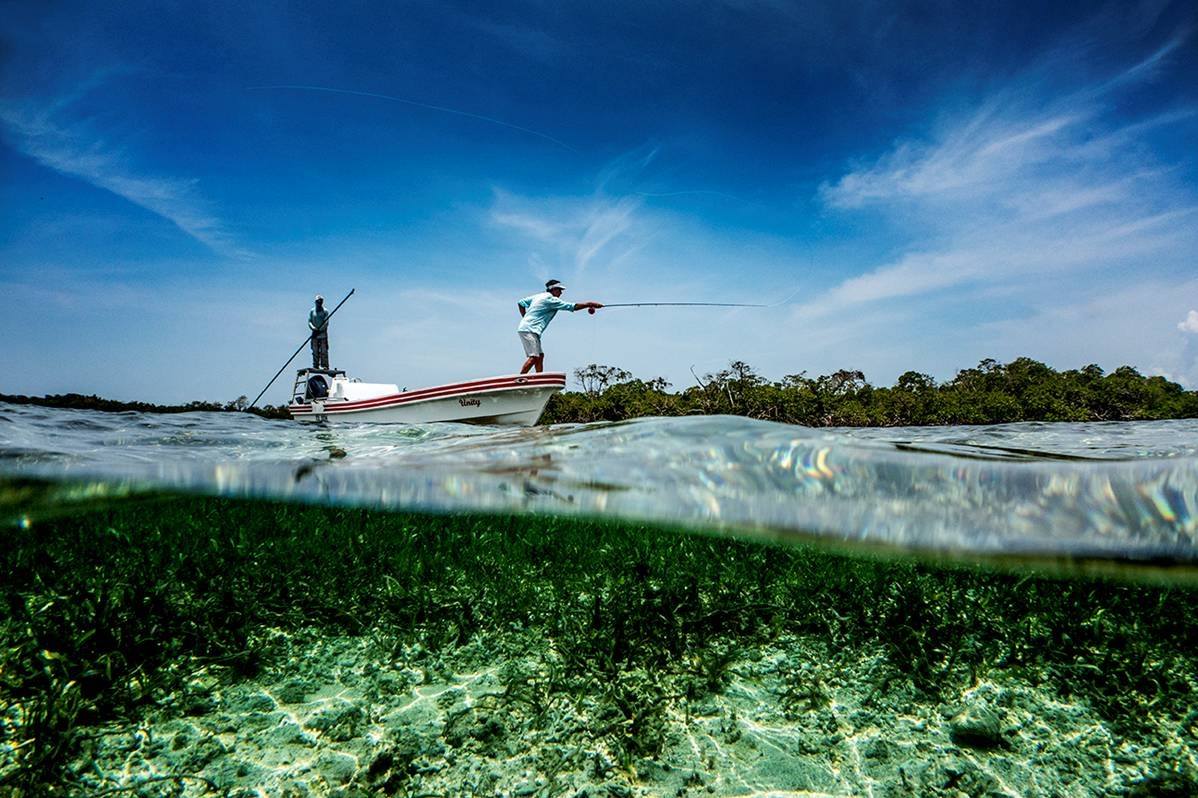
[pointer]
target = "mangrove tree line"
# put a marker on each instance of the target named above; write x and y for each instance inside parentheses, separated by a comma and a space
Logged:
(990, 393)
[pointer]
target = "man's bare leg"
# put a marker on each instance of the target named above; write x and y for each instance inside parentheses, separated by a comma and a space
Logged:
(540, 366)
(528, 364)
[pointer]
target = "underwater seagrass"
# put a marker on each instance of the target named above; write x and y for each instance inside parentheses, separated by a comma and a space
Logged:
(636, 628)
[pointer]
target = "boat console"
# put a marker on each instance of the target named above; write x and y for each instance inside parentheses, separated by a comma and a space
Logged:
(331, 385)
(314, 384)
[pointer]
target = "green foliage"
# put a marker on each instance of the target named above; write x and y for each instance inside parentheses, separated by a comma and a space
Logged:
(75, 401)
(102, 612)
(991, 393)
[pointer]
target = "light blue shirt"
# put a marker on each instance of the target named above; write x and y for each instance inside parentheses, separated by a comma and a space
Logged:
(539, 310)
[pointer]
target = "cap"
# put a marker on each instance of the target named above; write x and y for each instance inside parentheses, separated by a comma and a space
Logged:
(555, 284)
(319, 298)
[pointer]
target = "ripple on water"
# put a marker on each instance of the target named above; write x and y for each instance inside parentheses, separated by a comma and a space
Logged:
(1113, 491)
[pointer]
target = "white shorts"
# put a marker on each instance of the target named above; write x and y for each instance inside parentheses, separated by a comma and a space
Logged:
(532, 343)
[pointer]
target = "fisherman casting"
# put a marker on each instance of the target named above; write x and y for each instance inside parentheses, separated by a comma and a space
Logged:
(536, 312)
(318, 323)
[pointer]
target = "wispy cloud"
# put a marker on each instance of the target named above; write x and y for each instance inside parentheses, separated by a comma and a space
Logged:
(417, 104)
(603, 228)
(1146, 69)
(1024, 187)
(970, 159)
(573, 232)
(1190, 323)
(55, 138)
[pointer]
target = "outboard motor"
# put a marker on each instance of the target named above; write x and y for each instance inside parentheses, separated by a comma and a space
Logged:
(318, 387)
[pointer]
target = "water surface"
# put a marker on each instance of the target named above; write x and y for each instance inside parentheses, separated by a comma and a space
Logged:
(1116, 492)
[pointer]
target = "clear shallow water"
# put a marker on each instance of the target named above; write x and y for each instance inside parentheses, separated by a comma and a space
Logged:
(1114, 491)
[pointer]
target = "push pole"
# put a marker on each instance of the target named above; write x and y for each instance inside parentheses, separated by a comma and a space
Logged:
(297, 351)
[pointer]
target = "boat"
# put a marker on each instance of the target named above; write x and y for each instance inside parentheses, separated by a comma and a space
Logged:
(514, 400)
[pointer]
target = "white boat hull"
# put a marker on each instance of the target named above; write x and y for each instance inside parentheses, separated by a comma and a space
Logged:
(516, 400)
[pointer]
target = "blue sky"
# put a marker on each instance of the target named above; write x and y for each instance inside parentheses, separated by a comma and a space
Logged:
(912, 185)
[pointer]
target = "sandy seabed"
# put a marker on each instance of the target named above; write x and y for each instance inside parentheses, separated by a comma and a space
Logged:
(362, 716)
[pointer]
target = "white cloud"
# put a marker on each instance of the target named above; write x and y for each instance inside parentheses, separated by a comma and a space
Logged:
(49, 136)
(1019, 192)
(530, 224)
(1190, 323)
(1147, 69)
(573, 232)
(976, 156)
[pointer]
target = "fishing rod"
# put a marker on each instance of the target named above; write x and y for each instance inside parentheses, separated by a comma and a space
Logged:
(702, 304)
(688, 304)
(301, 346)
